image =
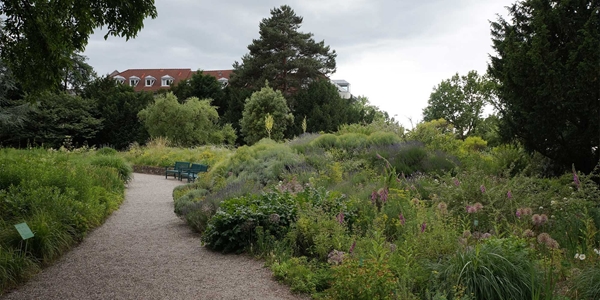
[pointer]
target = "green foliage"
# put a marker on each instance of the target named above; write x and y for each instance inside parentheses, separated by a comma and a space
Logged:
(362, 279)
(546, 63)
(322, 107)
(202, 86)
(587, 284)
(106, 151)
(194, 122)
(301, 275)
(39, 39)
(118, 106)
(495, 269)
(266, 101)
(232, 227)
(57, 117)
(280, 49)
(436, 135)
(61, 196)
(460, 101)
(123, 168)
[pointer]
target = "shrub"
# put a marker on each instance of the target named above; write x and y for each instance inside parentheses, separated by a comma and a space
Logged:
(362, 279)
(380, 138)
(325, 141)
(351, 141)
(232, 227)
(302, 276)
(496, 269)
(123, 168)
(106, 151)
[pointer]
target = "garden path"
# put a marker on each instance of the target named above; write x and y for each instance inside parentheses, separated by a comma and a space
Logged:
(144, 251)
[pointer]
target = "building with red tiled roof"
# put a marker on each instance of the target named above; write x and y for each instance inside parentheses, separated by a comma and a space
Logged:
(152, 80)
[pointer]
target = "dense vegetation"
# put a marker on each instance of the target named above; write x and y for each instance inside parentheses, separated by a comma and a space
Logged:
(61, 195)
(367, 213)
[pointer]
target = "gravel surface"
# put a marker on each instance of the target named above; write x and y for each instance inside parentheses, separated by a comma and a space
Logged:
(144, 251)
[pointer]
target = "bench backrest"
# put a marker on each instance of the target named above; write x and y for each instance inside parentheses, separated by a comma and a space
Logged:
(199, 168)
(181, 165)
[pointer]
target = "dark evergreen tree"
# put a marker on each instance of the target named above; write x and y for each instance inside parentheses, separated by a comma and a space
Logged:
(236, 100)
(117, 105)
(323, 108)
(287, 58)
(57, 118)
(202, 86)
(547, 64)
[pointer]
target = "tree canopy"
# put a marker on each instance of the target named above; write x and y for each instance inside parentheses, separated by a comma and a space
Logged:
(266, 101)
(547, 64)
(287, 58)
(460, 101)
(202, 86)
(195, 122)
(38, 37)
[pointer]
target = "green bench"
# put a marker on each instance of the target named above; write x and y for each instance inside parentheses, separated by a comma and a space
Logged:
(192, 172)
(176, 170)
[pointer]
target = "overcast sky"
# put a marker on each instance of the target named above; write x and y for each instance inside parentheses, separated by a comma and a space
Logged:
(392, 51)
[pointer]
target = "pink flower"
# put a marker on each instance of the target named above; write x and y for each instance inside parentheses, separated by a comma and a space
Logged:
(471, 209)
(340, 218)
(383, 195)
(509, 195)
(519, 213)
(374, 196)
(456, 182)
(482, 189)
(402, 220)
(352, 247)
(478, 206)
(576, 179)
(423, 227)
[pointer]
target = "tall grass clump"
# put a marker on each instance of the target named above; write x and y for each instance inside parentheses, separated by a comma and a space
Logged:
(123, 168)
(587, 284)
(61, 196)
(496, 269)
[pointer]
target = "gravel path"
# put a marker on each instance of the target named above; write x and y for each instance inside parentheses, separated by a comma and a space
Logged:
(144, 251)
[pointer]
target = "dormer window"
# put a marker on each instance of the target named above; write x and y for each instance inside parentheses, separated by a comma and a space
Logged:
(150, 80)
(167, 80)
(119, 79)
(134, 80)
(223, 81)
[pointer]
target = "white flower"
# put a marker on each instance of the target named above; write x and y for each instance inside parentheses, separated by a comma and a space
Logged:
(541, 207)
(576, 255)
(552, 203)
(597, 251)
(581, 256)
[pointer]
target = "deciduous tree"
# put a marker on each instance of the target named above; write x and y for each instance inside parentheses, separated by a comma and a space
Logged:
(195, 122)
(460, 101)
(266, 101)
(547, 63)
(39, 36)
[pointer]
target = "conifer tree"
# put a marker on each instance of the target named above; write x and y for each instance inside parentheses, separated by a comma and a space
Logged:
(287, 58)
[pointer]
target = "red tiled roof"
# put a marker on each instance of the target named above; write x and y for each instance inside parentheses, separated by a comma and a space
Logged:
(177, 74)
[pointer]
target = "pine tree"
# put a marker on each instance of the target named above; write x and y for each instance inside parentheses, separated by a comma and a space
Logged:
(548, 69)
(287, 58)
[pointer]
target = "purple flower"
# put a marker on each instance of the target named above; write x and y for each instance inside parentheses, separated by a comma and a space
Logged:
(383, 195)
(509, 195)
(576, 179)
(482, 189)
(423, 227)
(352, 247)
(402, 220)
(340, 218)
(471, 209)
(456, 182)
(374, 196)
(519, 213)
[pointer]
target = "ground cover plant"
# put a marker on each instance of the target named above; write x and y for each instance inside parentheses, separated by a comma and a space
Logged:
(61, 195)
(363, 214)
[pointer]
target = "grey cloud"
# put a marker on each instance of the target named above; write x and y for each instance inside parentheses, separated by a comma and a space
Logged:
(212, 35)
